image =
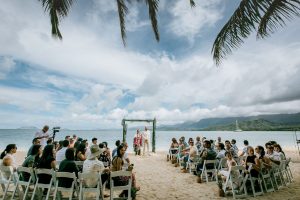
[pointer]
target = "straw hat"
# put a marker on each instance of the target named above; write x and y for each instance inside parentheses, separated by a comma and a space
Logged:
(95, 151)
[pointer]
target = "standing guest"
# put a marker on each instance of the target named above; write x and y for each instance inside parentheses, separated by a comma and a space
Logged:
(94, 141)
(137, 142)
(114, 152)
(68, 165)
(47, 161)
(61, 154)
(43, 135)
(146, 140)
(8, 155)
(104, 157)
(92, 164)
(80, 153)
(245, 149)
(35, 141)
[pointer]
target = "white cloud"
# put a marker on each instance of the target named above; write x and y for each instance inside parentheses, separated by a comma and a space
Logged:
(7, 64)
(189, 22)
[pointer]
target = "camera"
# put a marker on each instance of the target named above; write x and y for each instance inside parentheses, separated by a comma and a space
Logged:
(56, 129)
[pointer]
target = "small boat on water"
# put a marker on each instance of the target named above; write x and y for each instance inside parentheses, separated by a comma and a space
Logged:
(237, 128)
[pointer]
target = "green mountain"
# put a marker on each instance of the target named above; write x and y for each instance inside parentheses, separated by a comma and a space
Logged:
(259, 122)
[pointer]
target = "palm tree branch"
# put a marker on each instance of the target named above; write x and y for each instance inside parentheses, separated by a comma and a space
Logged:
(153, 8)
(275, 16)
(122, 10)
(239, 26)
(192, 3)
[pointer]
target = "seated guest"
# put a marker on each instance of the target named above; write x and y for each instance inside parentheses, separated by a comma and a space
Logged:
(72, 143)
(92, 164)
(104, 157)
(245, 149)
(117, 165)
(208, 153)
(67, 137)
(253, 161)
(233, 144)
(47, 161)
(173, 148)
(182, 146)
(80, 152)
(94, 141)
(50, 141)
(278, 149)
(114, 152)
(273, 156)
(107, 148)
(191, 153)
(68, 165)
(230, 163)
(35, 141)
(228, 147)
(198, 143)
(221, 151)
(33, 159)
(264, 160)
(125, 156)
(8, 154)
(61, 154)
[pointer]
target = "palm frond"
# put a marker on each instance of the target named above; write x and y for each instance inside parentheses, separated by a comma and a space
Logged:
(153, 8)
(123, 11)
(275, 16)
(57, 9)
(192, 3)
(239, 26)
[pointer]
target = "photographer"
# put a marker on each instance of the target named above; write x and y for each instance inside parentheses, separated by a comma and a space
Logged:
(43, 135)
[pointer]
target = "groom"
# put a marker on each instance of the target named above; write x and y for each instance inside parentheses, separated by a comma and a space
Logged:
(146, 140)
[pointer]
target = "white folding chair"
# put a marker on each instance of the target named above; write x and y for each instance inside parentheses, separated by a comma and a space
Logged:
(284, 172)
(124, 187)
(25, 184)
(6, 179)
(59, 189)
(276, 176)
(83, 178)
(222, 164)
(236, 182)
(209, 166)
(253, 181)
(173, 155)
(267, 179)
(41, 186)
(289, 169)
(192, 164)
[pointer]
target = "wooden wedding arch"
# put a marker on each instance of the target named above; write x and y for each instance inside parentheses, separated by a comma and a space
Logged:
(153, 121)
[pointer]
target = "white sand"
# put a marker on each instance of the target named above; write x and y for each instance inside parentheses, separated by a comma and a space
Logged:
(159, 179)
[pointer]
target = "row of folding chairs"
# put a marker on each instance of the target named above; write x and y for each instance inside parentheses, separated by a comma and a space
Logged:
(11, 182)
(269, 180)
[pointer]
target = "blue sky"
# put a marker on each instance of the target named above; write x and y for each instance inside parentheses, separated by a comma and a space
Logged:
(89, 80)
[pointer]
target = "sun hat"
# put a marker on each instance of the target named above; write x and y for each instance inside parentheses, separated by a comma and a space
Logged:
(95, 151)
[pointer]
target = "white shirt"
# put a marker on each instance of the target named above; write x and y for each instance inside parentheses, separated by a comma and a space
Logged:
(61, 154)
(221, 154)
(95, 166)
(274, 156)
(146, 135)
(43, 140)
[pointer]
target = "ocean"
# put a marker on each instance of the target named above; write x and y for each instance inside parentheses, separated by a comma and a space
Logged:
(23, 137)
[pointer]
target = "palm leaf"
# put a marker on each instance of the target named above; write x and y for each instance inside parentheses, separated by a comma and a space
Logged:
(275, 16)
(239, 26)
(122, 10)
(153, 8)
(57, 10)
(192, 3)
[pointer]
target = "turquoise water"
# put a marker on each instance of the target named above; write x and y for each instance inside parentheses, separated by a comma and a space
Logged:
(24, 137)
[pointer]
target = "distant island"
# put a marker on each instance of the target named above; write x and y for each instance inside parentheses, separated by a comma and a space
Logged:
(276, 122)
(27, 127)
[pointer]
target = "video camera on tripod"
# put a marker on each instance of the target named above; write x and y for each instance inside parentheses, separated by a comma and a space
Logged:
(55, 130)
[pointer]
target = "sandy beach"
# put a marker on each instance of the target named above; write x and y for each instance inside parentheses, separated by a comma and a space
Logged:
(159, 179)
